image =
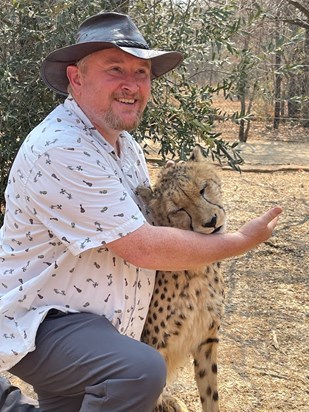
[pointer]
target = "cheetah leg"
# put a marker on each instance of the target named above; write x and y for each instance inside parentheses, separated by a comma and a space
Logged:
(169, 403)
(205, 367)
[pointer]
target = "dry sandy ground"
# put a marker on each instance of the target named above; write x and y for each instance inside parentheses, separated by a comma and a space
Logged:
(263, 355)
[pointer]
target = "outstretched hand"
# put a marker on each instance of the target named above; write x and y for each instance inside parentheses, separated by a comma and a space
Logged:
(260, 229)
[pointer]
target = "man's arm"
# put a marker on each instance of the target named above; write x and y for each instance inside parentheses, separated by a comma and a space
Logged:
(166, 248)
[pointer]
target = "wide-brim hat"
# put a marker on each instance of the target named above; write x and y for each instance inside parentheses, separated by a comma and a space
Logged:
(99, 32)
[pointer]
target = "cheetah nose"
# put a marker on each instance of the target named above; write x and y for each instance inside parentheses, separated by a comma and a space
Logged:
(212, 222)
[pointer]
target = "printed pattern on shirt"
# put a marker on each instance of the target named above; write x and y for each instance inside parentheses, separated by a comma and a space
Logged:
(68, 196)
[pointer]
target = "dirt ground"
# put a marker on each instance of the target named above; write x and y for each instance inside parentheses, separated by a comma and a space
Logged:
(263, 351)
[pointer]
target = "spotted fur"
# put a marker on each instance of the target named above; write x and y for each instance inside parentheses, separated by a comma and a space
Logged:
(187, 306)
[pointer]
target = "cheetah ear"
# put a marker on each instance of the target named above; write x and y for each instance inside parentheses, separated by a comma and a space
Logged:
(197, 154)
(169, 163)
(145, 193)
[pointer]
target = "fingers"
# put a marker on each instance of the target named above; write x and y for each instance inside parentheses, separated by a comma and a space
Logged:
(271, 217)
(272, 214)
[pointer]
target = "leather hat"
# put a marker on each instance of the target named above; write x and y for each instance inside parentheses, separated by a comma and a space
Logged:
(99, 32)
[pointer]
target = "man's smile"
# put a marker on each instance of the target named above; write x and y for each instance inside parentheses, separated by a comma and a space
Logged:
(126, 101)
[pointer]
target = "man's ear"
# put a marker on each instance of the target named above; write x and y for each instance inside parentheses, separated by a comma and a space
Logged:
(73, 74)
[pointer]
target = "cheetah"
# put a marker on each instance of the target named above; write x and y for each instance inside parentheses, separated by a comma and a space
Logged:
(187, 306)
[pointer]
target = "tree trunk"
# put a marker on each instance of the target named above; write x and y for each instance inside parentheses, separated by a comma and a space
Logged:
(241, 132)
(278, 81)
(305, 91)
(293, 91)
(249, 110)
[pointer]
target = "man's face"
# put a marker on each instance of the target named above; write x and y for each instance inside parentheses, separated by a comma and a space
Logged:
(112, 87)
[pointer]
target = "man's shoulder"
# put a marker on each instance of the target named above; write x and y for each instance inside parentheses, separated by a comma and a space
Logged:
(58, 121)
(59, 129)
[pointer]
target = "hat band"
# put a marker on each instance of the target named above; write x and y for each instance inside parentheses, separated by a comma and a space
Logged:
(130, 43)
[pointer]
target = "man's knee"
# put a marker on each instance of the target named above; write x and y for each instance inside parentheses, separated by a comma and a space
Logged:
(137, 390)
(147, 372)
(155, 373)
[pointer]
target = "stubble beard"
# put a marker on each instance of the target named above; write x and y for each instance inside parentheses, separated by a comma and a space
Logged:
(111, 120)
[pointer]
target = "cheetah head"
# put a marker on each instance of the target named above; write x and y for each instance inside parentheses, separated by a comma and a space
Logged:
(187, 195)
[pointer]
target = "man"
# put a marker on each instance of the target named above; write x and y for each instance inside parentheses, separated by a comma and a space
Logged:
(78, 257)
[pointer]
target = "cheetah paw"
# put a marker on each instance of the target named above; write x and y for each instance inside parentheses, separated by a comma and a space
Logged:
(170, 403)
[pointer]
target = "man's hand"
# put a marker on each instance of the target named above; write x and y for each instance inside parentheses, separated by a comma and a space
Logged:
(260, 229)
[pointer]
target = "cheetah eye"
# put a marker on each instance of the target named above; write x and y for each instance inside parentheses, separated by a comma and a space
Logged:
(174, 212)
(203, 190)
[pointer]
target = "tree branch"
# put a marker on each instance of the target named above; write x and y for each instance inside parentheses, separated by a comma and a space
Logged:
(300, 7)
(297, 22)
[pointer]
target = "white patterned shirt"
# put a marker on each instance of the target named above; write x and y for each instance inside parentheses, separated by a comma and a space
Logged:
(68, 196)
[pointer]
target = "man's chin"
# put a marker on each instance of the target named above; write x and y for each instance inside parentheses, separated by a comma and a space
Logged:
(128, 125)
(120, 123)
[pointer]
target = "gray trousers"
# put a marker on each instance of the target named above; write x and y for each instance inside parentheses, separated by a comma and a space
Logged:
(82, 363)
(13, 400)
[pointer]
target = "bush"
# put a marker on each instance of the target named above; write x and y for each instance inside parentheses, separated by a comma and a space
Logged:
(180, 113)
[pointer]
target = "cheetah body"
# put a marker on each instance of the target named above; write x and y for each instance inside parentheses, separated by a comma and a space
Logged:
(187, 306)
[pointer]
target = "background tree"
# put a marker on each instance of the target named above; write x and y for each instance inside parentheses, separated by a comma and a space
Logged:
(278, 74)
(230, 50)
(181, 111)
(178, 114)
(243, 79)
(265, 64)
(281, 60)
(298, 15)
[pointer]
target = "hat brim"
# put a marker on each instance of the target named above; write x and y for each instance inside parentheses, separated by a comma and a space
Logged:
(53, 68)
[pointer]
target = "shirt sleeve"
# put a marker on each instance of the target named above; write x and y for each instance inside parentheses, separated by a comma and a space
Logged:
(80, 197)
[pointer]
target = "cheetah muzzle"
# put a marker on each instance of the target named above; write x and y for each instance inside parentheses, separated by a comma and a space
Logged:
(187, 306)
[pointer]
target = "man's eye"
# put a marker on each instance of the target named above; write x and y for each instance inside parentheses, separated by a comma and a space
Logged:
(115, 70)
(143, 73)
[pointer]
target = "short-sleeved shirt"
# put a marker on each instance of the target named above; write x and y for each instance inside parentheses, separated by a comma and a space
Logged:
(68, 196)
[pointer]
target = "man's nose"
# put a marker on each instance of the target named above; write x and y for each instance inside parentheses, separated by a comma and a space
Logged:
(130, 83)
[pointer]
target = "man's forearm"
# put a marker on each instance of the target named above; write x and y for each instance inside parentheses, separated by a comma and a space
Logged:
(166, 248)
